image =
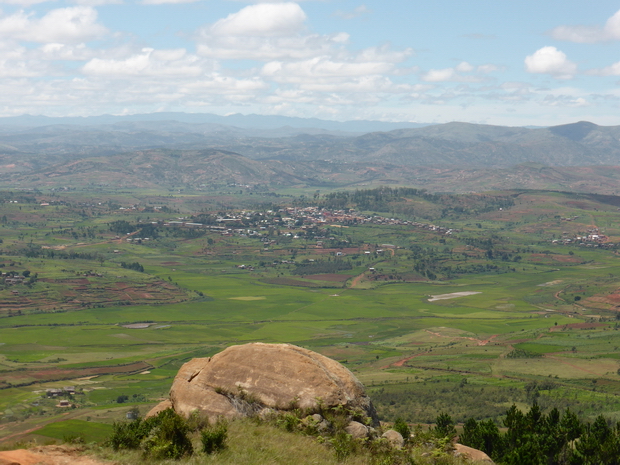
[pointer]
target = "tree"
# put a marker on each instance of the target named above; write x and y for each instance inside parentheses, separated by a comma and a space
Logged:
(444, 426)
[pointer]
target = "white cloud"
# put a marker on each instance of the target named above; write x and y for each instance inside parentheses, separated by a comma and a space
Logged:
(590, 34)
(357, 12)
(15, 63)
(149, 62)
(383, 54)
(267, 31)
(22, 2)
(163, 2)
(226, 85)
(613, 70)
(262, 20)
(484, 69)
(98, 2)
(460, 73)
(564, 101)
(64, 25)
(439, 75)
(464, 67)
(269, 48)
(550, 60)
(56, 51)
(322, 67)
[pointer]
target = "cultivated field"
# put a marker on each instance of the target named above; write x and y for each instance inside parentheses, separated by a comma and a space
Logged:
(431, 300)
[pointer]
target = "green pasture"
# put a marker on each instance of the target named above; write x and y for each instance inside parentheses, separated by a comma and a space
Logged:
(525, 304)
(89, 431)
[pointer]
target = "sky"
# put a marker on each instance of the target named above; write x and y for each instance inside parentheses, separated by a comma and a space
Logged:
(525, 63)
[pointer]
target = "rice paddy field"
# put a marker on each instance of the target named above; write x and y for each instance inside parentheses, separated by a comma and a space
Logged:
(513, 305)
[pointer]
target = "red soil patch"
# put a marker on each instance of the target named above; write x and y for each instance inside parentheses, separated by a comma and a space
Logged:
(48, 455)
(290, 282)
(401, 362)
(566, 259)
(349, 250)
(79, 281)
(556, 258)
(332, 277)
(579, 205)
(57, 374)
(480, 342)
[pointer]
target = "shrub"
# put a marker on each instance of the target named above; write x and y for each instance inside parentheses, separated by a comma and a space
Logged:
(213, 438)
(168, 438)
(128, 435)
(73, 439)
(288, 421)
(197, 421)
(163, 436)
(343, 444)
(403, 428)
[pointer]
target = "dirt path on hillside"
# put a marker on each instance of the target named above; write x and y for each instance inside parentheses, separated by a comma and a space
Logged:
(355, 281)
(480, 342)
(49, 455)
(402, 361)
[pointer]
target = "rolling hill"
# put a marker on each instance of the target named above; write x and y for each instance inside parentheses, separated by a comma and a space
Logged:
(206, 153)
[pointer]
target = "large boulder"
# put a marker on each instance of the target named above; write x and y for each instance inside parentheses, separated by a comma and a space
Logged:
(394, 438)
(470, 453)
(357, 430)
(243, 380)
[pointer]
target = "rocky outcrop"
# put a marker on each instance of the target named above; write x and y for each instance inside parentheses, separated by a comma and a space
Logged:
(243, 380)
(471, 454)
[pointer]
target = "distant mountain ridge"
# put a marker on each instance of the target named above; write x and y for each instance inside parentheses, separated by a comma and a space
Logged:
(145, 150)
(238, 120)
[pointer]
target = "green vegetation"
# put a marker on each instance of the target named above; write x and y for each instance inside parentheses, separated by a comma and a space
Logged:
(429, 299)
(72, 430)
(538, 438)
(213, 438)
(164, 436)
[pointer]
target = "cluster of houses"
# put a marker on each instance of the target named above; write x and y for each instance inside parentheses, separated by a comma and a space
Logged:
(252, 223)
(592, 238)
(68, 390)
(12, 279)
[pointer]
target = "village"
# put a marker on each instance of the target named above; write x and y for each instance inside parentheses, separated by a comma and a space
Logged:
(296, 221)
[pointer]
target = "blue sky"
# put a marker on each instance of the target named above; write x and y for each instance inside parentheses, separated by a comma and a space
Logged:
(494, 62)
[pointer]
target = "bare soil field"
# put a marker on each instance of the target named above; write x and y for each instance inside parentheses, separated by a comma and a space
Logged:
(348, 250)
(77, 293)
(57, 374)
(48, 455)
(290, 282)
(539, 257)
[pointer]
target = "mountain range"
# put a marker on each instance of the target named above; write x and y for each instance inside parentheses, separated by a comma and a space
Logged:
(177, 149)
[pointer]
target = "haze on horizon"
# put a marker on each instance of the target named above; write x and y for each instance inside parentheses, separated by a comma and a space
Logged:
(504, 63)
